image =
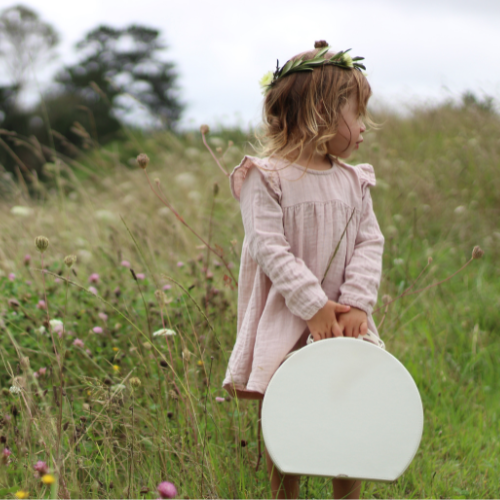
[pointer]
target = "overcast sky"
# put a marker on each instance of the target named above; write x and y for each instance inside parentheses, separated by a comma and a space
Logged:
(415, 50)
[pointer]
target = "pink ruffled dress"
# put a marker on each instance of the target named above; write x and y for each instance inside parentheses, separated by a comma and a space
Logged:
(294, 218)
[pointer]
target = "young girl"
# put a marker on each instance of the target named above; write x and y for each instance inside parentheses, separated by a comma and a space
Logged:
(300, 206)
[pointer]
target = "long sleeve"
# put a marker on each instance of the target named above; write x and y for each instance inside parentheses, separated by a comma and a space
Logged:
(363, 272)
(263, 221)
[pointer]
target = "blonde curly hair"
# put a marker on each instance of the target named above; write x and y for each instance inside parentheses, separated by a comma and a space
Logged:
(304, 108)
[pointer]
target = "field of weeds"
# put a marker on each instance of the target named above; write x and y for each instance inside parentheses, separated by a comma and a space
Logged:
(111, 366)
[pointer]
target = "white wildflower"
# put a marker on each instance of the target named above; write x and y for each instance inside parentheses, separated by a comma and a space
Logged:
(347, 60)
(14, 389)
(21, 211)
(56, 325)
(84, 255)
(265, 81)
(164, 332)
(105, 215)
(186, 179)
(118, 387)
(194, 196)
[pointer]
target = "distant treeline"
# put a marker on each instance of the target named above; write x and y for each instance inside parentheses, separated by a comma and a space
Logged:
(118, 69)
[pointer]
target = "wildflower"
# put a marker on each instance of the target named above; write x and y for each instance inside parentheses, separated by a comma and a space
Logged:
(69, 260)
(265, 81)
(88, 351)
(14, 389)
(48, 479)
(6, 453)
(167, 490)
(164, 332)
(97, 329)
(57, 280)
(141, 276)
(28, 282)
(93, 290)
(125, 263)
(41, 304)
(94, 278)
(180, 263)
(42, 371)
(22, 494)
(21, 211)
(41, 467)
(219, 399)
(103, 316)
(56, 325)
(117, 291)
(27, 260)
(143, 160)
(167, 287)
(460, 210)
(135, 382)
(78, 343)
(115, 349)
(105, 215)
(477, 252)
(12, 276)
(200, 362)
(118, 387)
(116, 368)
(41, 243)
(205, 129)
(347, 60)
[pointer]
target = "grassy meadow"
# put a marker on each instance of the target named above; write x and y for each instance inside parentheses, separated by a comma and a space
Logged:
(114, 410)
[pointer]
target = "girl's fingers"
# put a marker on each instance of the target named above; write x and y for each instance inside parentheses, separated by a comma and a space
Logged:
(316, 336)
(363, 329)
(337, 330)
(341, 308)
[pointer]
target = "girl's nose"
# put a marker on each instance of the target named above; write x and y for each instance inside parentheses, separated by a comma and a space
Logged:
(362, 127)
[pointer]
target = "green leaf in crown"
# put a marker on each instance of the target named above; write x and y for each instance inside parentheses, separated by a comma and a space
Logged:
(341, 59)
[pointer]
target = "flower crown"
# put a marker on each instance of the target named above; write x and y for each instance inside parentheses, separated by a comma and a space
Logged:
(341, 59)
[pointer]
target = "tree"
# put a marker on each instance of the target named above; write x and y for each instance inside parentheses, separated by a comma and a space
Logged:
(119, 63)
(25, 41)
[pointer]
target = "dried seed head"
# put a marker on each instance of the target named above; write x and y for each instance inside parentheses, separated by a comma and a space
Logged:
(477, 252)
(204, 129)
(42, 243)
(429, 260)
(216, 188)
(135, 382)
(386, 299)
(69, 260)
(143, 160)
(24, 361)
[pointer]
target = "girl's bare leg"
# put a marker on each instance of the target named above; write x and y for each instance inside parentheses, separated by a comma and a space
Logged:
(346, 488)
(282, 485)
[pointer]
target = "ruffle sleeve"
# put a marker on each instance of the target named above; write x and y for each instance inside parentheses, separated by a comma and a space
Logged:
(240, 172)
(366, 175)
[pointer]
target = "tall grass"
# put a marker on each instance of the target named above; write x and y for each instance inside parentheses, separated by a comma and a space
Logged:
(438, 195)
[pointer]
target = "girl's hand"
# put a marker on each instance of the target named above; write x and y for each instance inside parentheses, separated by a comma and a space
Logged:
(324, 325)
(353, 323)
